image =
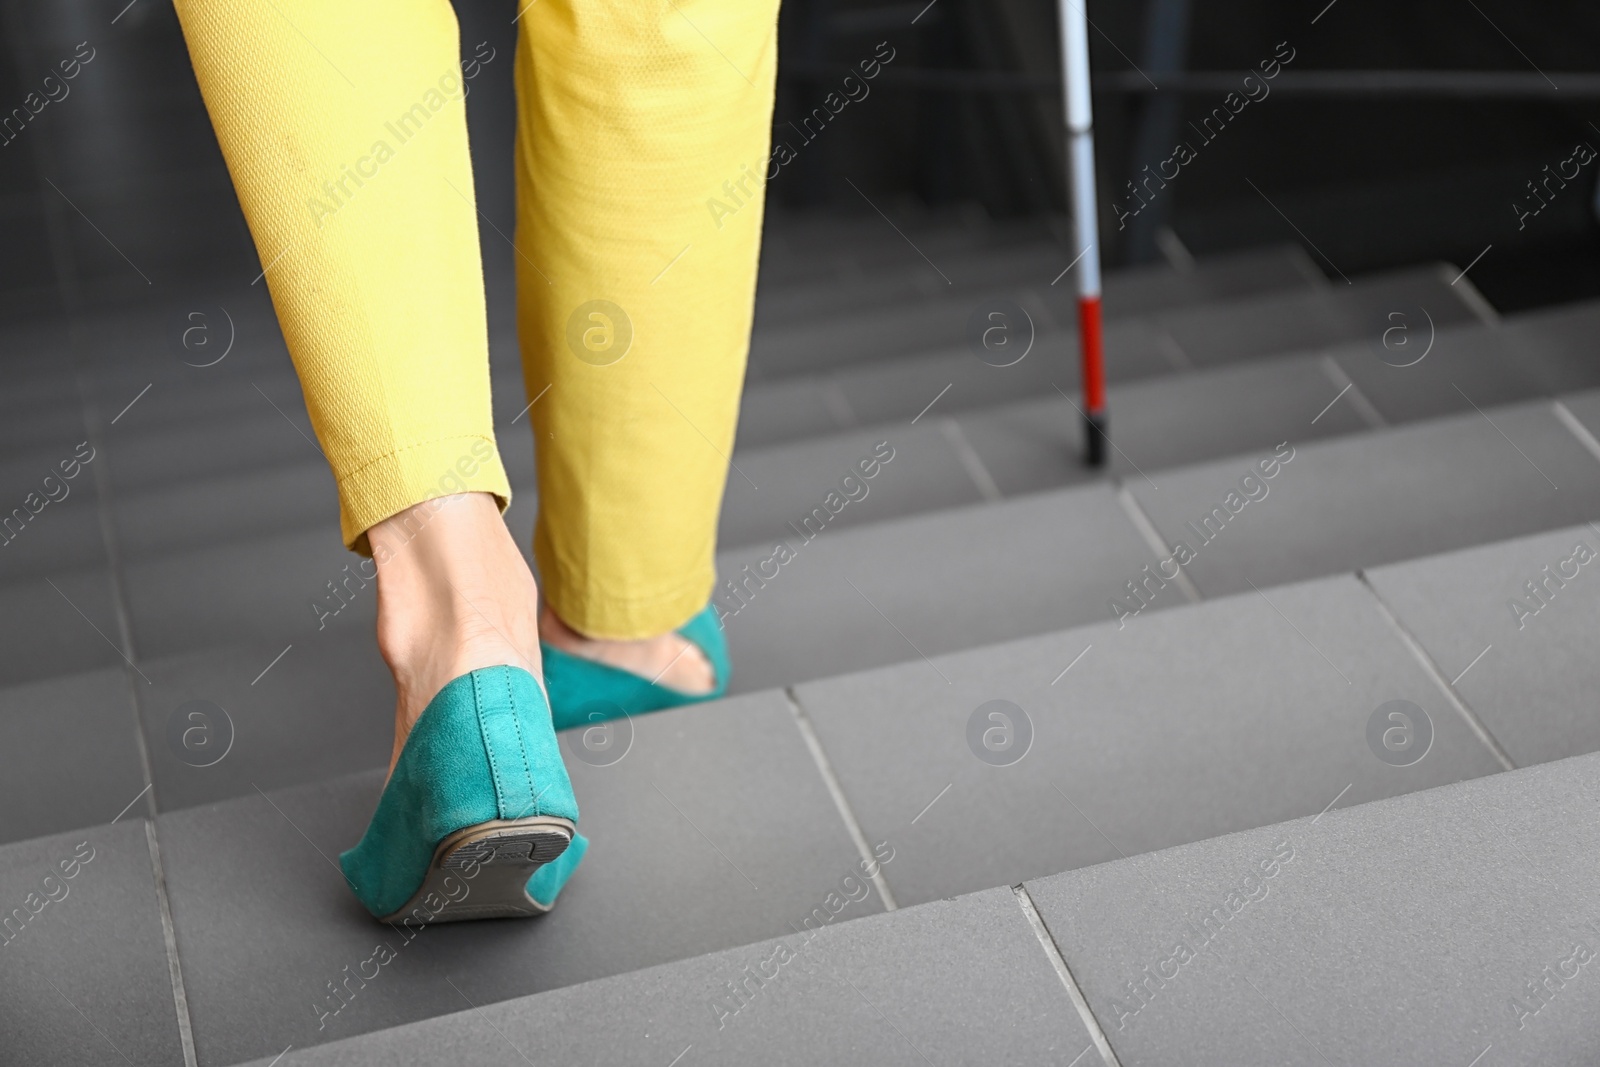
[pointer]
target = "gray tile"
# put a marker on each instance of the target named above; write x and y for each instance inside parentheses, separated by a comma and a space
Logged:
(325, 708)
(1185, 724)
(887, 390)
(954, 981)
(1465, 365)
(86, 977)
(257, 591)
(69, 753)
(1407, 931)
(1533, 686)
(990, 269)
(1275, 324)
(1149, 289)
(1559, 342)
(703, 799)
(48, 522)
(783, 411)
(57, 624)
(852, 599)
(228, 445)
(1162, 422)
(832, 340)
(774, 492)
(1379, 497)
(223, 508)
(1279, 324)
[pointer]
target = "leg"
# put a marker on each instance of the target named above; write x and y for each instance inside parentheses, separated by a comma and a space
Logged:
(344, 128)
(641, 154)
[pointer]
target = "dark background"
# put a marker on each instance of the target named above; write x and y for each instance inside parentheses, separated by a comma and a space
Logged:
(965, 121)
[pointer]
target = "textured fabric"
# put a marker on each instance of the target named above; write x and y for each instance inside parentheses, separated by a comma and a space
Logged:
(483, 749)
(344, 128)
(642, 146)
(642, 142)
(584, 693)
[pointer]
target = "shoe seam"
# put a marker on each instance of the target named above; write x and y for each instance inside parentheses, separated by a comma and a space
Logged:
(488, 746)
(522, 744)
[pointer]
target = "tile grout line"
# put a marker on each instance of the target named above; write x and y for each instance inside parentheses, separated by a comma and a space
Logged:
(169, 934)
(1152, 540)
(90, 413)
(119, 600)
(1575, 426)
(836, 790)
(970, 460)
(1364, 407)
(1431, 668)
(1059, 962)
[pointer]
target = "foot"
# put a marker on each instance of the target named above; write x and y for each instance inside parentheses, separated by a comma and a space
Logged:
(668, 659)
(454, 595)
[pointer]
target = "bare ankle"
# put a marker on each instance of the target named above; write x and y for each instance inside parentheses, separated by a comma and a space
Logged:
(454, 595)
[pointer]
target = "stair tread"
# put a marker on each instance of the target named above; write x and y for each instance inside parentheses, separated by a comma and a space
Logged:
(86, 948)
(1174, 728)
(962, 980)
(1377, 498)
(712, 830)
(1530, 677)
(51, 732)
(1399, 931)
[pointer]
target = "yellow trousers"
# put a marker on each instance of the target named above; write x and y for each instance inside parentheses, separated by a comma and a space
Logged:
(642, 143)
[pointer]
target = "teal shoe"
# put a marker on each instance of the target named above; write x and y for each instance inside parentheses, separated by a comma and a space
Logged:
(583, 692)
(478, 819)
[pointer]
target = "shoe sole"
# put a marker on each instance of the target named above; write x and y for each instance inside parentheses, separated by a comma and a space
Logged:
(504, 853)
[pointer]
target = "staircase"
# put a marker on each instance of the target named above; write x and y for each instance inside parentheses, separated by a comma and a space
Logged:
(1000, 780)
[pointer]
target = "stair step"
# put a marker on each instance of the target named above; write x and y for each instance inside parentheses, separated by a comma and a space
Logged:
(1404, 931)
(1528, 675)
(887, 387)
(1381, 497)
(1207, 334)
(939, 582)
(962, 981)
(86, 977)
(1128, 290)
(58, 624)
(1172, 729)
(712, 830)
(69, 754)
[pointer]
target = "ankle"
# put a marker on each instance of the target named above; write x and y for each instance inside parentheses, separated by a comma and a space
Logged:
(454, 595)
(667, 659)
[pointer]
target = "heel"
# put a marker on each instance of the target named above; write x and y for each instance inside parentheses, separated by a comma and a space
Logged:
(479, 802)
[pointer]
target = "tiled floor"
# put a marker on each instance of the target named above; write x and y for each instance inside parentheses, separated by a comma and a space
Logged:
(958, 981)
(713, 829)
(85, 977)
(199, 537)
(1409, 931)
(1522, 661)
(1185, 724)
